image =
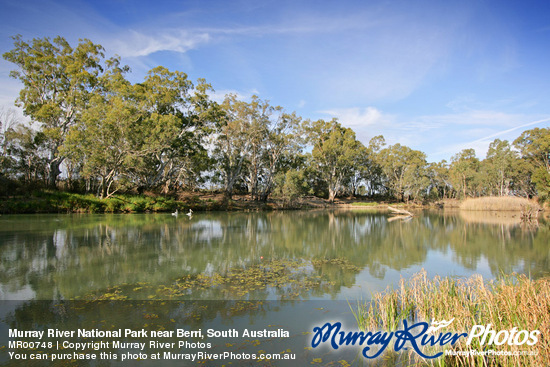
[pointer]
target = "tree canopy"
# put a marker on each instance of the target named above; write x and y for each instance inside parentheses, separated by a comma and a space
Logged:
(94, 131)
(58, 81)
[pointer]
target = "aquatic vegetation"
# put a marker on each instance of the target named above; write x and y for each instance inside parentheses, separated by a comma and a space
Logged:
(342, 263)
(285, 279)
(512, 301)
(288, 278)
(112, 294)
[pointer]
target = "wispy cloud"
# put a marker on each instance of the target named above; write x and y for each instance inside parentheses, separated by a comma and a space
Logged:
(490, 125)
(174, 37)
(358, 117)
(515, 128)
(367, 122)
(138, 43)
(471, 118)
(300, 24)
(439, 136)
(372, 54)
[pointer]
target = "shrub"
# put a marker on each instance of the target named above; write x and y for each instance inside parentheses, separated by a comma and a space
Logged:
(501, 203)
(508, 302)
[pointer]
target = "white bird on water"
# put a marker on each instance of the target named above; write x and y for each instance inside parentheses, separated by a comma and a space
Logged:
(175, 214)
(190, 214)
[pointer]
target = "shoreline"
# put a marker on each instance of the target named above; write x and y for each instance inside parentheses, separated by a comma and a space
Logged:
(45, 201)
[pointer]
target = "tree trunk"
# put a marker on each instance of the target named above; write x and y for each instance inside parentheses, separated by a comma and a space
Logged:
(264, 196)
(229, 183)
(331, 195)
(54, 172)
(102, 188)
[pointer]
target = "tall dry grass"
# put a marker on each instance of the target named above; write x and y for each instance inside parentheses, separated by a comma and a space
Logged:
(511, 301)
(499, 203)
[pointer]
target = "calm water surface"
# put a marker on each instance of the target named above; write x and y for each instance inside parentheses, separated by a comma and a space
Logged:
(61, 257)
(323, 260)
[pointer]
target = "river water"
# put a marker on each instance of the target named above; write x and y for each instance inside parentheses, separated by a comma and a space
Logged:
(295, 269)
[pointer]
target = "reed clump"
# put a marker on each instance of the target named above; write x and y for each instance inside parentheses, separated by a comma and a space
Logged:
(508, 302)
(499, 203)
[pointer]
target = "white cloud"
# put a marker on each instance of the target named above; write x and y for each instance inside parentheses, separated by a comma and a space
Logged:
(439, 136)
(475, 119)
(358, 117)
(366, 122)
(505, 132)
(481, 145)
(474, 129)
(135, 44)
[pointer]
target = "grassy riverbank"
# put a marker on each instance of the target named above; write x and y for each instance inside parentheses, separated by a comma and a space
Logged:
(49, 201)
(64, 202)
(513, 301)
(46, 201)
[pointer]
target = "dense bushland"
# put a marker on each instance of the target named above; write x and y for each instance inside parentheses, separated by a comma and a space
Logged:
(93, 132)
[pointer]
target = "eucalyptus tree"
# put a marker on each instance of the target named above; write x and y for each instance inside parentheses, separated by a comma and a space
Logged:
(251, 142)
(464, 170)
(291, 185)
(175, 117)
(404, 169)
(522, 180)
(102, 141)
(334, 154)
(499, 166)
(534, 148)
(230, 141)
(25, 158)
(440, 181)
(8, 122)
(360, 171)
(374, 176)
(256, 117)
(281, 144)
(58, 81)
(140, 135)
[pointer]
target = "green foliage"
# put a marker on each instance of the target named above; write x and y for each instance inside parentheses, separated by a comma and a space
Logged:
(541, 178)
(440, 181)
(464, 169)
(252, 142)
(291, 186)
(499, 168)
(337, 155)
(64, 202)
(165, 134)
(534, 147)
(58, 80)
(173, 124)
(404, 169)
(371, 204)
(24, 158)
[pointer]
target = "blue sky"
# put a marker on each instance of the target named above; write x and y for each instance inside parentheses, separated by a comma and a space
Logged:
(437, 76)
